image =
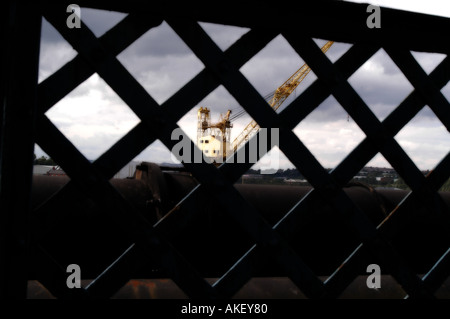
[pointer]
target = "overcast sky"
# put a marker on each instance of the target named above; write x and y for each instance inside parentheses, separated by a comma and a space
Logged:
(93, 117)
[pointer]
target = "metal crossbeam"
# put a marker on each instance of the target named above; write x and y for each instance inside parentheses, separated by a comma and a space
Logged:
(374, 130)
(152, 243)
(252, 37)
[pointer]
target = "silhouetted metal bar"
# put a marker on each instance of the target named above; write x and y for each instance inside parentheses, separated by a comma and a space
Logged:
(223, 68)
(421, 82)
(439, 273)
(341, 21)
(393, 123)
(317, 92)
(305, 103)
(310, 174)
(367, 121)
(21, 26)
(358, 110)
(356, 160)
(272, 201)
(238, 86)
(75, 72)
(117, 274)
(134, 95)
(52, 274)
(133, 223)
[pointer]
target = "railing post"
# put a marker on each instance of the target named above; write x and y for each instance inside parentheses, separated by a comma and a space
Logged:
(21, 30)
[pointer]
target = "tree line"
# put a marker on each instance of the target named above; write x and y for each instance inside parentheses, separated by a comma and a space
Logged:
(44, 161)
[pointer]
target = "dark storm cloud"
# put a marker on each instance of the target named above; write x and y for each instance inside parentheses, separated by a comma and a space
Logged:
(162, 63)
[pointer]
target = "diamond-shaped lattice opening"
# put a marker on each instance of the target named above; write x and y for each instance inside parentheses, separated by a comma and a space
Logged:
(329, 133)
(278, 64)
(358, 289)
(425, 139)
(336, 51)
(272, 66)
(161, 62)
(54, 178)
(157, 153)
(381, 177)
(380, 84)
(223, 35)
(209, 238)
(323, 229)
(273, 178)
(92, 117)
(210, 116)
(274, 163)
(269, 288)
(85, 234)
(428, 61)
(43, 164)
(273, 168)
(379, 174)
(100, 21)
(379, 161)
(54, 51)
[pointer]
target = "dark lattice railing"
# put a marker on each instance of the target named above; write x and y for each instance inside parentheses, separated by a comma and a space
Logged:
(149, 242)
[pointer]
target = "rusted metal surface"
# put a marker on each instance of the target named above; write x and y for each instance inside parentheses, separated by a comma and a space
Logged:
(256, 288)
(212, 242)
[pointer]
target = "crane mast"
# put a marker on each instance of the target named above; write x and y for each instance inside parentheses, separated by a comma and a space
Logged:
(214, 138)
(280, 95)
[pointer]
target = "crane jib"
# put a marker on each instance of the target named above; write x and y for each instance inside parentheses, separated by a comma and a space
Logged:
(280, 95)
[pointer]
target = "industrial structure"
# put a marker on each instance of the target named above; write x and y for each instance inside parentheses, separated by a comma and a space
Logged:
(214, 138)
(194, 224)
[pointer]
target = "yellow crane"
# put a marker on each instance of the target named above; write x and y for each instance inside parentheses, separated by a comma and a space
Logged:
(214, 138)
(280, 95)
